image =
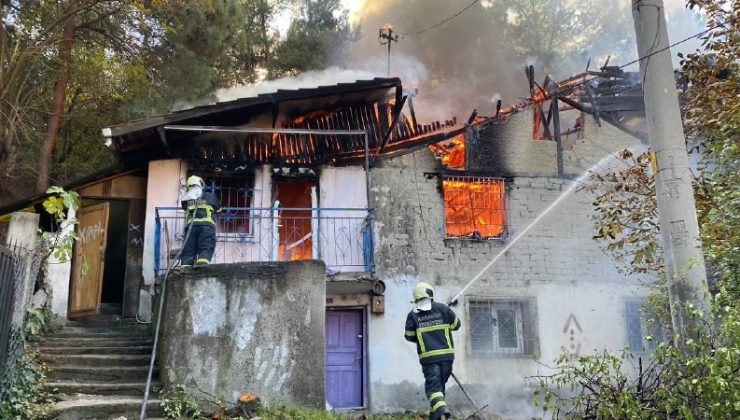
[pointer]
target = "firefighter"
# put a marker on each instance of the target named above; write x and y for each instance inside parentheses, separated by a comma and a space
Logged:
(200, 207)
(429, 325)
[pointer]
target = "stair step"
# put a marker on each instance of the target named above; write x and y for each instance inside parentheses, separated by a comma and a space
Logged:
(111, 374)
(127, 334)
(95, 349)
(103, 319)
(93, 341)
(97, 388)
(93, 407)
(99, 360)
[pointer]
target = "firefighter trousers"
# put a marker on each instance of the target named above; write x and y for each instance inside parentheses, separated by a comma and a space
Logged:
(201, 243)
(435, 378)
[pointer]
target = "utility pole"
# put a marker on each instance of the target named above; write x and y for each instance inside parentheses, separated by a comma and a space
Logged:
(679, 228)
(386, 36)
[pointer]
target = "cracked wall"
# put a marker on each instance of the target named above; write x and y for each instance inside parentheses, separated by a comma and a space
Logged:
(246, 327)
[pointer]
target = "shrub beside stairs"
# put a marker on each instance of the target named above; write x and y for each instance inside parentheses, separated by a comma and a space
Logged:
(99, 368)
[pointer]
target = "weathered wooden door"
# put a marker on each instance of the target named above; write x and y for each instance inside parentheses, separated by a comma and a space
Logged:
(88, 261)
(344, 358)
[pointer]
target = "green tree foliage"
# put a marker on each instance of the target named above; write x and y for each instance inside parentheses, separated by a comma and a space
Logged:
(560, 36)
(699, 380)
(130, 60)
(317, 34)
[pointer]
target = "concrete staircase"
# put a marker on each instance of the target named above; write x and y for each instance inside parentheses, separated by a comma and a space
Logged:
(99, 366)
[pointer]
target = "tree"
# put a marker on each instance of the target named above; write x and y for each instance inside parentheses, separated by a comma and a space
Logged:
(698, 380)
(559, 36)
(317, 34)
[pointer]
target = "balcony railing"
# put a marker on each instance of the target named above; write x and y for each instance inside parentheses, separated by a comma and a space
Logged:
(341, 237)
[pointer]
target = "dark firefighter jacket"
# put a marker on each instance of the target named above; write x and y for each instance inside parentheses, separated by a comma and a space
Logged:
(201, 211)
(430, 330)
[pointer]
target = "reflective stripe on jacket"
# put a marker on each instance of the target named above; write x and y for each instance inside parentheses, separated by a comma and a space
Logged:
(430, 330)
(201, 210)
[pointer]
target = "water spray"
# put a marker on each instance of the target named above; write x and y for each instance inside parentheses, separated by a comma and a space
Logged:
(578, 181)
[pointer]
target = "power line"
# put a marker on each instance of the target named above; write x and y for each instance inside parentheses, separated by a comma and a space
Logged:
(437, 25)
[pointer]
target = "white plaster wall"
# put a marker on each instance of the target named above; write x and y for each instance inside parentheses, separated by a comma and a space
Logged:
(58, 276)
(162, 190)
(342, 188)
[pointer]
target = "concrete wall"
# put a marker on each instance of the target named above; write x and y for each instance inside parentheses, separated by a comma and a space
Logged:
(557, 265)
(163, 190)
(247, 327)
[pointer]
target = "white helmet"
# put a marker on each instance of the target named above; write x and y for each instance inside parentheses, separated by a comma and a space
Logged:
(195, 180)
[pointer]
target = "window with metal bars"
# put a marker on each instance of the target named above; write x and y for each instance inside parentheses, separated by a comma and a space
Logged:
(475, 207)
(235, 195)
(502, 326)
(644, 331)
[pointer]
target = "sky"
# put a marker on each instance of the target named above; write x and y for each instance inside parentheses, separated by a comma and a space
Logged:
(462, 63)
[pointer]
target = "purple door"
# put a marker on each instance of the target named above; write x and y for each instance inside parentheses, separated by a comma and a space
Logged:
(344, 358)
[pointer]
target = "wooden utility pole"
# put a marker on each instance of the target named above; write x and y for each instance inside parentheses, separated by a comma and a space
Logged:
(679, 229)
(386, 36)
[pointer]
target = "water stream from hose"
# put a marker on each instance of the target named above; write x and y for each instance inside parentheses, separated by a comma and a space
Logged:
(574, 185)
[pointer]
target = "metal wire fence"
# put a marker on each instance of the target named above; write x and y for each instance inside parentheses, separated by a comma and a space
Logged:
(19, 268)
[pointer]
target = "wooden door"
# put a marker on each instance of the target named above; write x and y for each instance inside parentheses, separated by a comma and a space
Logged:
(344, 358)
(88, 261)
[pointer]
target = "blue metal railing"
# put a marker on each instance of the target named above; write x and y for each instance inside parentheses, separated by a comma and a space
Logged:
(341, 237)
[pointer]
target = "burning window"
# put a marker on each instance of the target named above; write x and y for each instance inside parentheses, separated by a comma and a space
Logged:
(475, 208)
(451, 152)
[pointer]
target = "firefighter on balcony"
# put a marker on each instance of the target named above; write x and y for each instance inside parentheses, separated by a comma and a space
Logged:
(429, 325)
(200, 228)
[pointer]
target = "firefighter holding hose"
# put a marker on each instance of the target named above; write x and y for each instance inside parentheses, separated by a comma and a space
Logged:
(200, 228)
(429, 325)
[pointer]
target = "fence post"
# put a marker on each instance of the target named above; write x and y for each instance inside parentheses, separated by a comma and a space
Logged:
(22, 237)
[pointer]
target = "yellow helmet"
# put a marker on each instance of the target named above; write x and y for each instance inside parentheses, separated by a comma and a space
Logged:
(194, 180)
(421, 291)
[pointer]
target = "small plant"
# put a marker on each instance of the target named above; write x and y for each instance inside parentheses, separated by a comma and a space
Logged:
(58, 206)
(39, 321)
(177, 404)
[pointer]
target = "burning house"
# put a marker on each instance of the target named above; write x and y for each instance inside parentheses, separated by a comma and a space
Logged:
(337, 201)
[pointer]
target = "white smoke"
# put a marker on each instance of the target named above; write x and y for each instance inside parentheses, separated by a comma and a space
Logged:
(311, 79)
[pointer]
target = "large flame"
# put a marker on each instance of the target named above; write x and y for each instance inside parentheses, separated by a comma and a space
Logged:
(474, 208)
(451, 152)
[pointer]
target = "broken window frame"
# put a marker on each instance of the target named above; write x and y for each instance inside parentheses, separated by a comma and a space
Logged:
(484, 334)
(472, 236)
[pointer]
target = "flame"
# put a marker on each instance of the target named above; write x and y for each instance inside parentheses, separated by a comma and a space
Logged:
(388, 26)
(451, 152)
(474, 208)
(310, 116)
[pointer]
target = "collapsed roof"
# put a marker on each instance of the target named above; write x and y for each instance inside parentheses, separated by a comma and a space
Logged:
(219, 136)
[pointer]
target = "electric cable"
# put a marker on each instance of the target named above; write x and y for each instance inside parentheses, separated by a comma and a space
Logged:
(437, 25)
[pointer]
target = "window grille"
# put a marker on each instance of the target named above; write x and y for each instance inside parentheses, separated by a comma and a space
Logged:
(502, 326)
(475, 208)
(640, 325)
(235, 195)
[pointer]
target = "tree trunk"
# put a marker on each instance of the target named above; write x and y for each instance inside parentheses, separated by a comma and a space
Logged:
(60, 96)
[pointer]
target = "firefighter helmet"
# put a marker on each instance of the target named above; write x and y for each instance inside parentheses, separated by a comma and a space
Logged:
(195, 180)
(421, 291)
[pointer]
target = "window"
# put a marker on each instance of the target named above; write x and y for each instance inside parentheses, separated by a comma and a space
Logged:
(235, 195)
(502, 326)
(475, 208)
(641, 325)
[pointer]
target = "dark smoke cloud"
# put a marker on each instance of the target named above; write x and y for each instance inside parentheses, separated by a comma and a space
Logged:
(471, 60)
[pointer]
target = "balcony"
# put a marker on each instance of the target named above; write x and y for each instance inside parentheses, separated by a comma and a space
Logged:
(340, 237)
